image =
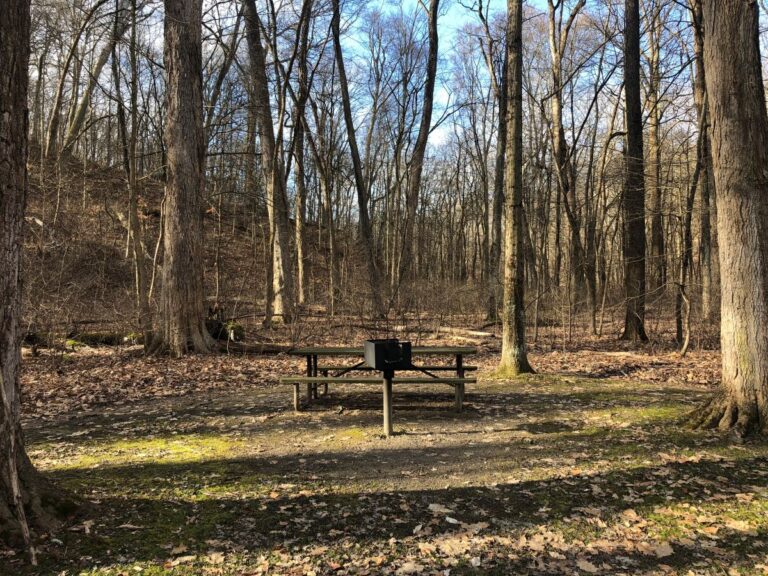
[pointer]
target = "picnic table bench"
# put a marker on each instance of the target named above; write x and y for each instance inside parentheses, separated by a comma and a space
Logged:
(350, 373)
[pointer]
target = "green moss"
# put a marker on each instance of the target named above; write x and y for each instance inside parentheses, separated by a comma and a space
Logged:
(235, 331)
(166, 450)
(357, 434)
(74, 345)
(507, 373)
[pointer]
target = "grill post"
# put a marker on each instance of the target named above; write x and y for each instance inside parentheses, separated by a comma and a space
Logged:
(387, 383)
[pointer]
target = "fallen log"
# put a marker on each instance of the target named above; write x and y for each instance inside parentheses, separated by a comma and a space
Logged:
(243, 348)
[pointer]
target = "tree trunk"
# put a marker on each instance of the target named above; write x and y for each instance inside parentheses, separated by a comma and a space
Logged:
(682, 303)
(707, 250)
(26, 499)
(634, 184)
(492, 313)
(182, 298)
(300, 206)
(75, 124)
(564, 169)
(144, 317)
(366, 231)
(739, 140)
(283, 290)
(514, 359)
(658, 255)
(416, 165)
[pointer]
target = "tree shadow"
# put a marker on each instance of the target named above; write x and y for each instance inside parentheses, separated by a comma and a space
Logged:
(345, 406)
(250, 507)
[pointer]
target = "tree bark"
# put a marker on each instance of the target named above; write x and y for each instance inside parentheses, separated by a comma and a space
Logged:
(514, 358)
(707, 244)
(302, 259)
(634, 184)
(143, 313)
(182, 299)
(283, 289)
(26, 498)
(657, 247)
(739, 139)
(494, 281)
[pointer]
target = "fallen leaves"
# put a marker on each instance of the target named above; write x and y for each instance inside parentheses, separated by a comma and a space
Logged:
(439, 509)
(587, 566)
(663, 550)
(511, 487)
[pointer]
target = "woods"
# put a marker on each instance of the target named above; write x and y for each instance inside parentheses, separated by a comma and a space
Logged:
(398, 166)
(185, 179)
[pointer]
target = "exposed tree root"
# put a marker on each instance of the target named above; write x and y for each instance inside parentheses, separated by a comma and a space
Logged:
(723, 412)
(46, 506)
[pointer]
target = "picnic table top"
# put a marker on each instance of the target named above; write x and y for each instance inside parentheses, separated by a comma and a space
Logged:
(358, 350)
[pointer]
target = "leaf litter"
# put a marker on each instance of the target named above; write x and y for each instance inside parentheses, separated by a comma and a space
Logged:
(201, 467)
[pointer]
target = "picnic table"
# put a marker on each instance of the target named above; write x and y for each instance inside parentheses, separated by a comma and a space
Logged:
(346, 372)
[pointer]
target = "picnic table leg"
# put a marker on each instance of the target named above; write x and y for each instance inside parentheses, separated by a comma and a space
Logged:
(387, 405)
(459, 389)
(314, 373)
(310, 373)
(296, 402)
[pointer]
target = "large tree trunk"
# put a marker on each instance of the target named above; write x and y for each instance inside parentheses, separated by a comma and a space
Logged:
(634, 185)
(182, 309)
(26, 499)
(514, 359)
(274, 173)
(739, 139)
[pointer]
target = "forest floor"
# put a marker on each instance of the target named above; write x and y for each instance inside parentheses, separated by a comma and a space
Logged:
(200, 466)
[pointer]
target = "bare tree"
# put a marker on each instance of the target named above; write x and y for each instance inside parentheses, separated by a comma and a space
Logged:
(363, 194)
(655, 16)
(416, 165)
(514, 358)
(24, 493)
(739, 137)
(183, 319)
(283, 290)
(559, 32)
(633, 201)
(52, 134)
(121, 23)
(707, 241)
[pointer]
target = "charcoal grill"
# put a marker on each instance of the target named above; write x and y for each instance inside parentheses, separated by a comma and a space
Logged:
(388, 354)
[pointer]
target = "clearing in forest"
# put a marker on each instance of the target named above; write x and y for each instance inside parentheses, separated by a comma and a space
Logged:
(201, 466)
